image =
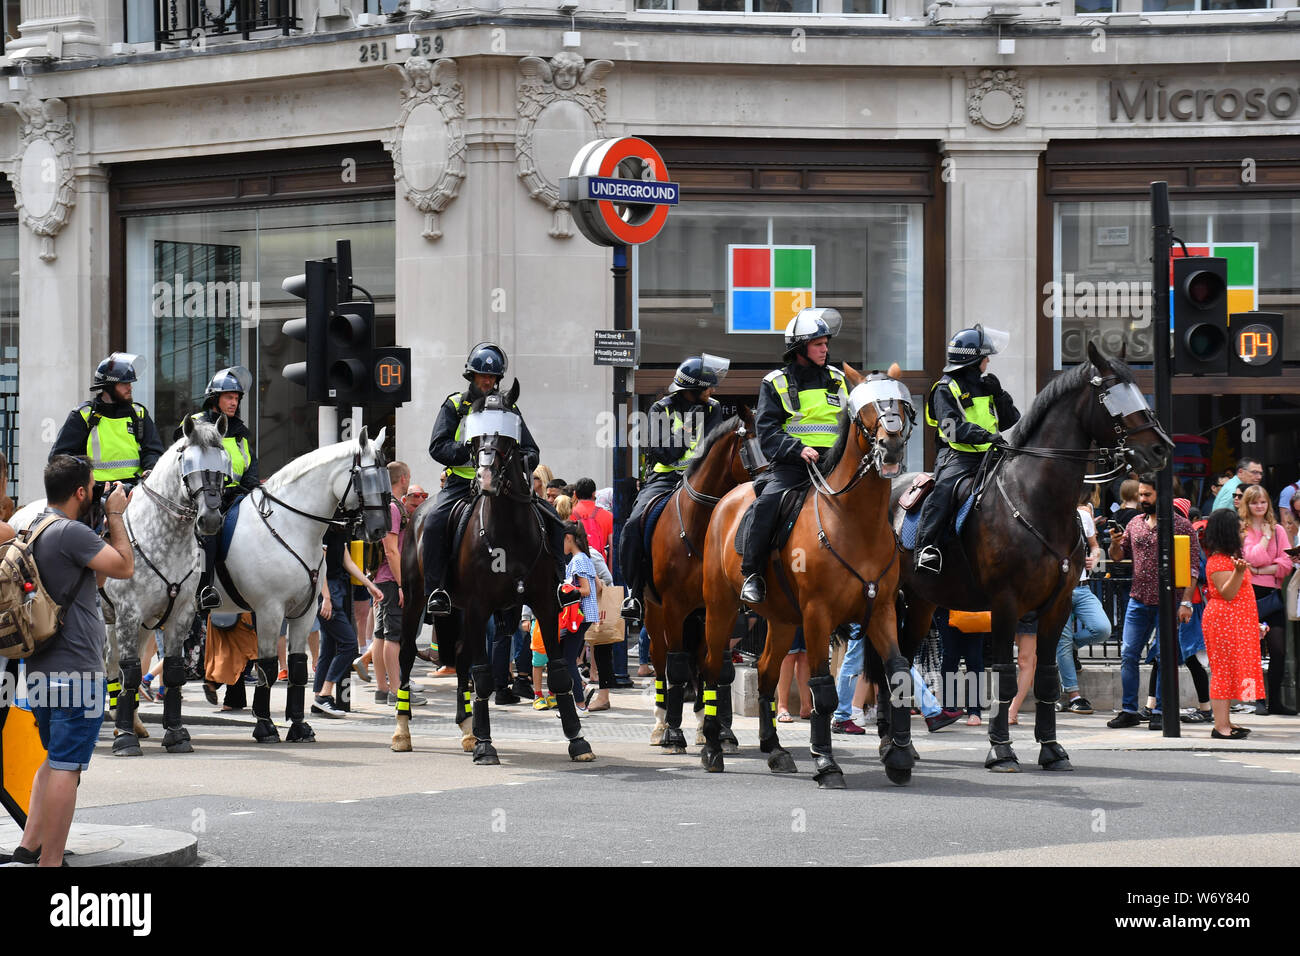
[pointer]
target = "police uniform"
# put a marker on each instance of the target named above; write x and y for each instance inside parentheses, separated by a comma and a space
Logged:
(799, 406)
(119, 438)
(677, 423)
(969, 411)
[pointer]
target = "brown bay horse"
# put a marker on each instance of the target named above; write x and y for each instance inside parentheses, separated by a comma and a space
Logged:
(839, 565)
(1021, 549)
(674, 601)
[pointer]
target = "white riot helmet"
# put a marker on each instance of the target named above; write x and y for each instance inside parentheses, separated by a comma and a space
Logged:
(811, 324)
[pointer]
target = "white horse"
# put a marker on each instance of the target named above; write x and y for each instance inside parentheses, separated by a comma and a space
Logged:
(181, 495)
(274, 563)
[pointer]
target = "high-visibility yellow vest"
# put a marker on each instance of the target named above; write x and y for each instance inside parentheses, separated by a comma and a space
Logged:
(978, 411)
(113, 450)
(462, 407)
(237, 449)
(816, 421)
(678, 425)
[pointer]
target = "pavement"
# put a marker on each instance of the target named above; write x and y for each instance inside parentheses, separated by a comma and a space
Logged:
(230, 777)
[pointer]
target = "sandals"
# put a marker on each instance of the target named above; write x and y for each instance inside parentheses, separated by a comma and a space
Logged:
(783, 717)
(973, 720)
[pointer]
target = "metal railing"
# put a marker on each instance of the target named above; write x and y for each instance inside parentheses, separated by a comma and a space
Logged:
(177, 20)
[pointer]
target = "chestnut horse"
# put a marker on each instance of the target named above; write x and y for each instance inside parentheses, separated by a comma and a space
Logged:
(840, 564)
(722, 461)
(1021, 549)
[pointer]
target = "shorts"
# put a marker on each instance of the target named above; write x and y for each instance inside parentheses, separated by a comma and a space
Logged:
(540, 659)
(70, 720)
(798, 646)
(360, 594)
(388, 613)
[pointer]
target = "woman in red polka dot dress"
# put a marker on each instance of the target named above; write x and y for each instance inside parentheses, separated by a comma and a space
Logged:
(1231, 624)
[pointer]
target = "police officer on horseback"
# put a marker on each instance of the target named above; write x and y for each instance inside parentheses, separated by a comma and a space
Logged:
(799, 409)
(222, 397)
(677, 422)
(484, 369)
(969, 408)
(115, 433)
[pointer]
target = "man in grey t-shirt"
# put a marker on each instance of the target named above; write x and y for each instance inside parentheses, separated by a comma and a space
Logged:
(65, 679)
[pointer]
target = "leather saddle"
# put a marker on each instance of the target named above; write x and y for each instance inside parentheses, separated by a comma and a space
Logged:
(792, 500)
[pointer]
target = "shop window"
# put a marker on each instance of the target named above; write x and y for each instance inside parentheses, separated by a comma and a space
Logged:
(1082, 7)
(1192, 6)
(759, 6)
(9, 351)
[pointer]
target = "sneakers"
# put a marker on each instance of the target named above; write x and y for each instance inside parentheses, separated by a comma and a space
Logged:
(506, 696)
(1125, 718)
(325, 707)
(146, 688)
(1194, 715)
(545, 703)
(1080, 705)
(754, 590)
(284, 674)
(846, 727)
(381, 697)
(929, 559)
(1144, 714)
(359, 665)
(942, 720)
(1157, 722)
(1243, 708)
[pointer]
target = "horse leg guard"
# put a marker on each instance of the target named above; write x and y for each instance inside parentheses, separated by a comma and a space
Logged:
(265, 732)
(896, 750)
(560, 683)
(176, 740)
(1047, 691)
(778, 758)
(465, 719)
(827, 772)
(1001, 757)
(661, 714)
(299, 730)
(726, 677)
(484, 753)
(711, 754)
(679, 672)
(126, 743)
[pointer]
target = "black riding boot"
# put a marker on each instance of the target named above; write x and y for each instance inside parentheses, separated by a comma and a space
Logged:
(208, 597)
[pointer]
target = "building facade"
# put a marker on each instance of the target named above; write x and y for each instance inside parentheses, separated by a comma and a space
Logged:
(918, 168)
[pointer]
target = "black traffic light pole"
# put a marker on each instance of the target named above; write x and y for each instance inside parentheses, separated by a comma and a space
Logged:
(1162, 233)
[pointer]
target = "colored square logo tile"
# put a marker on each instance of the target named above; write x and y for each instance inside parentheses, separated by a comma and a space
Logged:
(1241, 300)
(751, 310)
(793, 268)
(1241, 264)
(787, 303)
(751, 268)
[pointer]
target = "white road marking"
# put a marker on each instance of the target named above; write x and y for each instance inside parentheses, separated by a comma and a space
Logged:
(242, 813)
(347, 801)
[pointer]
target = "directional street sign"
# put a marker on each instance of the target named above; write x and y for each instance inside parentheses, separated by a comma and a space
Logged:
(616, 347)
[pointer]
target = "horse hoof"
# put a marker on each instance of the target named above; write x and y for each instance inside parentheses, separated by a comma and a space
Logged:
(401, 743)
(485, 755)
(1058, 765)
(781, 762)
(699, 738)
(898, 775)
(711, 760)
(1002, 759)
(912, 750)
(674, 741)
(831, 780)
(580, 750)
(1052, 756)
(657, 735)
(177, 742)
(730, 745)
(127, 745)
(300, 733)
(265, 733)
(468, 743)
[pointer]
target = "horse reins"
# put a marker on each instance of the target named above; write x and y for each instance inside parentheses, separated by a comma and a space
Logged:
(172, 589)
(700, 497)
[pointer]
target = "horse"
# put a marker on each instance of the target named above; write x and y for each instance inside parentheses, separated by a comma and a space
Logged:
(1021, 548)
(843, 565)
(274, 559)
(503, 561)
(181, 495)
(726, 457)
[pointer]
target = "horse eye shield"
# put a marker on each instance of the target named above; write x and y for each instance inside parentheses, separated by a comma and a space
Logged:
(1124, 399)
(197, 462)
(503, 423)
(374, 482)
(891, 399)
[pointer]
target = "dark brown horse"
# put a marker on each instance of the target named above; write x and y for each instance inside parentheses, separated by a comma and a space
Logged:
(676, 591)
(1021, 549)
(503, 561)
(839, 565)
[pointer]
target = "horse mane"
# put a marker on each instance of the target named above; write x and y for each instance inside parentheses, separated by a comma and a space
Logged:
(303, 464)
(1055, 390)
(827, 462)
(716, 433)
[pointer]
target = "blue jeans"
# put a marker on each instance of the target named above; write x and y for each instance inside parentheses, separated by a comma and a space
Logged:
(1087, 624)
(847, 680)
(643, 647)
(924, 701)
(338, 638)
(1139, 620)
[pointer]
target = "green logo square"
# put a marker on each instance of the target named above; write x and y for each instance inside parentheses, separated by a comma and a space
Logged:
(792, 268)
(1241, 264)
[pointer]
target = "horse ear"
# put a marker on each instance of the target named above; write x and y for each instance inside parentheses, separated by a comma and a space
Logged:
(379, 439)
(187, 426)
(895, 372)
(853, 375)
(223, 425)
(364, 436)
(513, 395)
(1099, 359)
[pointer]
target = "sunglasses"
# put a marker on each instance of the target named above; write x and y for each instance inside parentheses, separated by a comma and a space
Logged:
(417, 495)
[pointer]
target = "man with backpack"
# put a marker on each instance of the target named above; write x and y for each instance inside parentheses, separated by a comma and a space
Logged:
(65, 674)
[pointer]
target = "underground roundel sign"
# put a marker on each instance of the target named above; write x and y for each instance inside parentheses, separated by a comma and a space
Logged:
(618, 191)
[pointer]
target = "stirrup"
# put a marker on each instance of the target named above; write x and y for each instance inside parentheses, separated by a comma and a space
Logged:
(439, 604)
(208, 598)
(754, 590)
(632, 610)
(567, 598)
(929, 559)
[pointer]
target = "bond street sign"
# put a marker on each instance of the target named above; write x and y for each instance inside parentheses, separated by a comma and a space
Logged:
(618, 191)
(616, 347)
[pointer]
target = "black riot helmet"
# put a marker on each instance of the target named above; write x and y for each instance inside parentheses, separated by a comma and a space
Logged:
(118, 367)
(970, 346)
(486, 358)
(699, 372)
(232, 379)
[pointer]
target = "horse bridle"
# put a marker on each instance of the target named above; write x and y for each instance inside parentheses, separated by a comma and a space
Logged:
(890, 414)
(751, 458)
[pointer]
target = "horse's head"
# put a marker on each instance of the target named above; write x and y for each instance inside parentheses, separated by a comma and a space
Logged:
(369, 482)
(881, 409)
(492, 431)
(752, 461)
(1120, 415)
(204, 470)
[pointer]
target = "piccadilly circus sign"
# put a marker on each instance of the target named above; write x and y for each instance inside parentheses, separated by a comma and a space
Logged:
(618, 191)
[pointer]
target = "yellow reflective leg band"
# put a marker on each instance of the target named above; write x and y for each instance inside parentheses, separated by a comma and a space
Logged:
(710, 703)
(469, 698)
(113, 689)
(659, 692)
(404, 702)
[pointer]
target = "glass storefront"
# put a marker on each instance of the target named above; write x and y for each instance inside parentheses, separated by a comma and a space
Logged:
(203, 292)
(9, 351)
(727, 277)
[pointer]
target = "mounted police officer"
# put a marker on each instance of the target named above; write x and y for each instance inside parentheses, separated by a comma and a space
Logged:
(799, 409)
(969, 408)
(115, 433)
(484, 369)
(222, 397)
(677, 422)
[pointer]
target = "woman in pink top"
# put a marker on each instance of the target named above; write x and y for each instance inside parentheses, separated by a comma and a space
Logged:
(1264, 544)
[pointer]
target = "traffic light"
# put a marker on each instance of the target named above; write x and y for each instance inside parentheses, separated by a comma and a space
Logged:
(1255, 340)
(349, 348)
(317, 287)
(392, 375)
(1200, 313)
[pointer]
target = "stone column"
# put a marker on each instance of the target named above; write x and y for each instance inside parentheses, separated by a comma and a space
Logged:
(992, 250)
(81, 26)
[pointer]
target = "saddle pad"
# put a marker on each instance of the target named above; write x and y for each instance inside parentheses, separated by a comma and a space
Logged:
(228, 529)
(651, 518)
(907, 529)
(458, 522)
(792, 500)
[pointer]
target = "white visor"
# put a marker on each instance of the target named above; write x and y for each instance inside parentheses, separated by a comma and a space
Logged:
(506, 424)
(997, 339)
(716, 364)
(1124, 399)
(196, 458)
(876, 392)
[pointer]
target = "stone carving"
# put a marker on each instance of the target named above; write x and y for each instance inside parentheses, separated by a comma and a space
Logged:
(995, 99)
(41, 173)
(572, 94)
(428, 139)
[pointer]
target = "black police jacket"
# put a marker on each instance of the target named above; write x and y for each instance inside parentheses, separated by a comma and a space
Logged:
(446, 450)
